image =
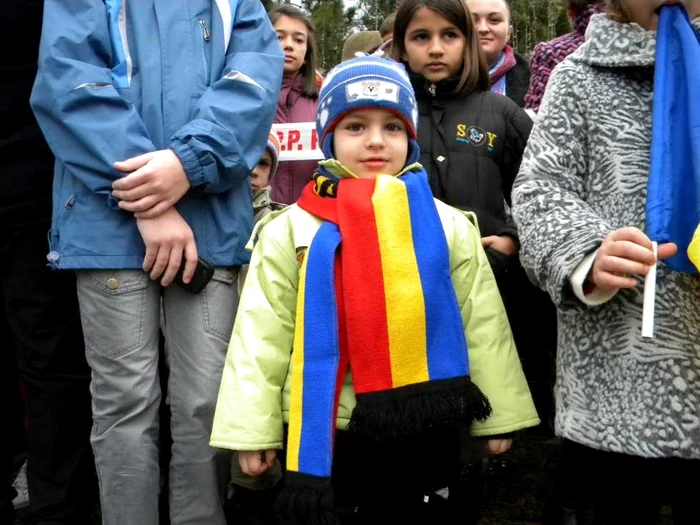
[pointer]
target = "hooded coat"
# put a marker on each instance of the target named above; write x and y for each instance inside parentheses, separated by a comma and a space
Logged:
(584, 174)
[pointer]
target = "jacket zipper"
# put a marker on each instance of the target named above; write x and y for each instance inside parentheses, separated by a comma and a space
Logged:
(432, 89)
(205, 31)
(206, 36)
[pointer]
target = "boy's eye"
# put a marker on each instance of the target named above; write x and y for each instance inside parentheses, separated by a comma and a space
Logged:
(394, 126)
(355, 126)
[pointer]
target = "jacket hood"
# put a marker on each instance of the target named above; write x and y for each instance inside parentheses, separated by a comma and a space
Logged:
(613, 44)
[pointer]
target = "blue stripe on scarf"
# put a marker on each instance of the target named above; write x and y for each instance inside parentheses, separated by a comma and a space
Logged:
(447, 345)
(321, 354)
(673, 191)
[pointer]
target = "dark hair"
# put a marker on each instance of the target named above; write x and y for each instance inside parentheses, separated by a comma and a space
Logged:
(579, 6)
(615, 10)
(308, 69)
(475, 72)
(387, 26)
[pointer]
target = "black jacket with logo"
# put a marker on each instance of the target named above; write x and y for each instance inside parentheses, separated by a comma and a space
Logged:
(471, 148)
(518, 80)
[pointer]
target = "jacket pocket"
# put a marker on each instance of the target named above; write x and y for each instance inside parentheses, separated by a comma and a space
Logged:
(113, 309)
(220, 303)
(206, 49)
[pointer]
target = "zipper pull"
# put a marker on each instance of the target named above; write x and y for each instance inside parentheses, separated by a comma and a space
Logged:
(432, 89)
(205, 31)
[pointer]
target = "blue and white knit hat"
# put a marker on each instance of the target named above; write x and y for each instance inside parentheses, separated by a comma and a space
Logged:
(365, 82)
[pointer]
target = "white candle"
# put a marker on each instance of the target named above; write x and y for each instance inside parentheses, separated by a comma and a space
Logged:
(649, 299)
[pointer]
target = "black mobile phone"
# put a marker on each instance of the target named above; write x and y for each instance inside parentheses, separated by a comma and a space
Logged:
(202, 275)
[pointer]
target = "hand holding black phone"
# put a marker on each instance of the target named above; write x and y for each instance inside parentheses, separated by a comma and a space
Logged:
(202, 275)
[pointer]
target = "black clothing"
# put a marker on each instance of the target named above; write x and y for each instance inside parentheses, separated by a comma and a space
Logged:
(39, 317)
(518, 81)
(26, 162)
(595, 487)
(471, 148)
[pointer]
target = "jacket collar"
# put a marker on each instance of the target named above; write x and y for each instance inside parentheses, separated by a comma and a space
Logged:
(613, 44)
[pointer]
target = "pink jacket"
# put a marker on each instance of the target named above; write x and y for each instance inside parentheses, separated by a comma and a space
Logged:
(293, 106)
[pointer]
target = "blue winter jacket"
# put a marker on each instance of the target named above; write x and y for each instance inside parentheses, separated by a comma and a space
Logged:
(119, 78)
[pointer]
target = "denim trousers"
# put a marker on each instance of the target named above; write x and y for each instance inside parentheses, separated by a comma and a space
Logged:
(121, 315)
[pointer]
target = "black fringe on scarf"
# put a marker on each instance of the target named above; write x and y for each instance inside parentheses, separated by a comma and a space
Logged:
(306, 500)
(414, 409)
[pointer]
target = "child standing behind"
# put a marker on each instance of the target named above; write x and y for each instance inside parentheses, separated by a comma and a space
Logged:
(299, 94)
(260, 179)
(370, 308)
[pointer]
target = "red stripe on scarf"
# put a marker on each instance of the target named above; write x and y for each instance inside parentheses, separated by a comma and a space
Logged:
(365, 307)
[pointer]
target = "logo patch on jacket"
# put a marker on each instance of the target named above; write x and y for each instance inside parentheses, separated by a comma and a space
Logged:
(476, 136)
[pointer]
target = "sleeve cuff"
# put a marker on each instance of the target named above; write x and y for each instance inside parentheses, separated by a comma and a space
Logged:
(594, 296)
(190, 162)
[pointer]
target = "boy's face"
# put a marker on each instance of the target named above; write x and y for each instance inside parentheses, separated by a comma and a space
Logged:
(370, 142)
(645, 12)
(260, 175)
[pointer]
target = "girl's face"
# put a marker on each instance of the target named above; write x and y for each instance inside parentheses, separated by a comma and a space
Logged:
(293, 37)
(492, 22)
(645, 12)
(434, 46)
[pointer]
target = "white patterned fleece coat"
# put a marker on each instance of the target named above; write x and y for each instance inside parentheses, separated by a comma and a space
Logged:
(583, 175)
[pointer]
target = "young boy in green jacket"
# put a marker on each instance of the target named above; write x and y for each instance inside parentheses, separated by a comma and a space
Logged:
(370, 308)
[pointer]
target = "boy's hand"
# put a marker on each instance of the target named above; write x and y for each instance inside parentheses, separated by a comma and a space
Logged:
(167, 237)
(156, 181)
(498, 446)
(256, 462)
(623, 252)
(500, 243)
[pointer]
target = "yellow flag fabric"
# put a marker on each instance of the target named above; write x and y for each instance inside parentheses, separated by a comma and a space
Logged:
(694, 249)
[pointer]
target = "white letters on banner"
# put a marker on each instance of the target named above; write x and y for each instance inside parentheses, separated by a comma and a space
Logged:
(298, 141)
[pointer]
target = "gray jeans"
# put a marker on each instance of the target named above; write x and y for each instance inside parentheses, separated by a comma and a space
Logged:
(121, 311)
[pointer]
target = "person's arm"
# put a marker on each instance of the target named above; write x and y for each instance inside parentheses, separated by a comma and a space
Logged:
(518, 128)
(558, 228)
(249, 409)
(227, 135)
(493, 359)
(76, 96)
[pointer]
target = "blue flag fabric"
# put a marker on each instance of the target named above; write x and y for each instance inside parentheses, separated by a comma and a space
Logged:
(673, 190)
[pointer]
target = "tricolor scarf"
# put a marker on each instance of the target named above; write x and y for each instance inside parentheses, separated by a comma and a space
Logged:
(500, 69)
(673, 189)
(375, 293)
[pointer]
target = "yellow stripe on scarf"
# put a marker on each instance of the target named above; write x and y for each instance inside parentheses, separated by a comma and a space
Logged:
(694, 249)
(405, 307)
(297, 390)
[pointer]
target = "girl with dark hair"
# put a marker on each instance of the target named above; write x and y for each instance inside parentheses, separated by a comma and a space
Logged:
(471, 142)
(299, 94)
